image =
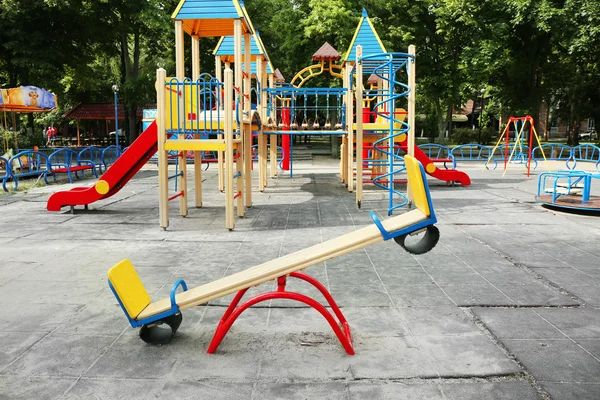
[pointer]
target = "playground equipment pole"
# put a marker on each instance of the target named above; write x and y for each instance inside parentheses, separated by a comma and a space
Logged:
(412, 98)
(197, 154)
(115, 89)
(163, 169)
(181, 117)
(285, 139)
(359, 127)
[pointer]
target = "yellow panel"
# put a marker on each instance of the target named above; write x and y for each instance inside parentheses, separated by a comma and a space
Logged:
(195, 144)
(129, 288)
(379, 126)
(417, 184)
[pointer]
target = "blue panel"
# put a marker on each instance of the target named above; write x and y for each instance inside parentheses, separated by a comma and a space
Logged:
(207, 9)
(367, 39)
(227, 46)
(253, 68)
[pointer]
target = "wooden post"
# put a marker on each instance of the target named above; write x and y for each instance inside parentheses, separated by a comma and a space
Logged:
(246, 122)
(181, 117)
(273, 138)
(197, 154)
(343, 163)
(411, 110)
(78, 135)
(237, 57)
(220, 172)
(163, 162)
(350, 143)
(229, 220)
(263, 118)
(359, 127)
(218, 69)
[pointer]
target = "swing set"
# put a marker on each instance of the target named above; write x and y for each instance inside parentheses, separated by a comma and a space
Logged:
(524, 129)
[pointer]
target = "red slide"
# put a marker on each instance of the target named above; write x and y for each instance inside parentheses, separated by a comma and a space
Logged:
(115, 177)
(446, 175)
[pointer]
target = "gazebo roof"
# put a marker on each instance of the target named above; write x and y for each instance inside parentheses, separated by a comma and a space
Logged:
(101, 111)
(327, 53)
(373, 79)
(279, 76)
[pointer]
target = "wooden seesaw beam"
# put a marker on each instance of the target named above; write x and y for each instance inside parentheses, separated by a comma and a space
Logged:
(137, 305)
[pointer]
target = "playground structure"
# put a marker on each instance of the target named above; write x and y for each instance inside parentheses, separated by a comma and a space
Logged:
(206, 113)
(160, 320)
(198, 114)
(568, 191)
(372, 135)
(523, 126)
(114, 177)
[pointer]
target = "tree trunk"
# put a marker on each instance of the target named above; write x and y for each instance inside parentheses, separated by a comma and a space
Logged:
(440, 121)
(449, 117)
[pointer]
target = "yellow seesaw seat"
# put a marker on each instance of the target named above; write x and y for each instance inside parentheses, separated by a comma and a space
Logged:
(137, 305)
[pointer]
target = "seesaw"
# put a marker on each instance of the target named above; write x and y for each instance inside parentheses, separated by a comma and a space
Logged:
(160, 320)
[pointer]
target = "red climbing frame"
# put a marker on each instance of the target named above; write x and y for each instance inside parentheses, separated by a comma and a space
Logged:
(340, 326)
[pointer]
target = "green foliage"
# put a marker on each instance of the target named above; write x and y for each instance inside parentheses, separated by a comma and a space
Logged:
(522, 51)
(467, 135)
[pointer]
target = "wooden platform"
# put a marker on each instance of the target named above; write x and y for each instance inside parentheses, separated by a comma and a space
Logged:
(571, 202)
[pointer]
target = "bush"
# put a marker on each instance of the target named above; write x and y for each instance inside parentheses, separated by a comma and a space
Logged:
(26, 138)
(467, 135)
(464, 136)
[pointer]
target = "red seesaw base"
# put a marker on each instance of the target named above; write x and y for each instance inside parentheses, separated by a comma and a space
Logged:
(340, 326)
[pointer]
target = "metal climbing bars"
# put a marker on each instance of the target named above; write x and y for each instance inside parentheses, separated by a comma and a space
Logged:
(381, 154)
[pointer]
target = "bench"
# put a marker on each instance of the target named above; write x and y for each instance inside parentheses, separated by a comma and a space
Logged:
(4, 172)
(139, 309)
(110, 155)
(474, 152)
(28, 163)
(584, 153)
(91, 155)
(65, 161)
(439, 153)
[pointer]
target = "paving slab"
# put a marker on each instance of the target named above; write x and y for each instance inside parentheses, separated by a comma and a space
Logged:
(417, 330)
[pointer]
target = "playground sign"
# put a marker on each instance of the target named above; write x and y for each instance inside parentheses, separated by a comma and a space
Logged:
(27, 99)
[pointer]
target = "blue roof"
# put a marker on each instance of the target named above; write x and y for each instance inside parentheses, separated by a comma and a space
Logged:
(253, 67)
(226, 46)
(207, 9)
(367, 37)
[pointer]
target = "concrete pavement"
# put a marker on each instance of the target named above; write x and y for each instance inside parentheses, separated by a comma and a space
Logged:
(505, 307)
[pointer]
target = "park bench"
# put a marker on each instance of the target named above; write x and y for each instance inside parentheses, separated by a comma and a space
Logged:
(152, 317)
(438, 153)
(27, 163)
(110, 155)
(65, 161)
(474, 152)
(4, 172)
(91, 155)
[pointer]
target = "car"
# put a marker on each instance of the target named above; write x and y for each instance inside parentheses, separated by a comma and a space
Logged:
(589, 135)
